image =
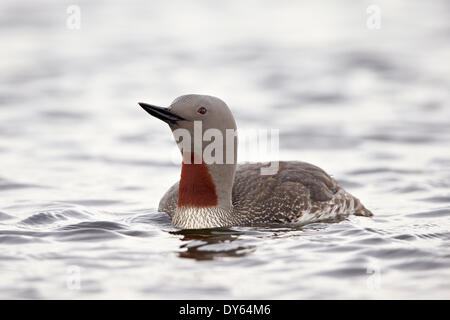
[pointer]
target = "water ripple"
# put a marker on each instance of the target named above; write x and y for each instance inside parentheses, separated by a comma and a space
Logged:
(431, 214)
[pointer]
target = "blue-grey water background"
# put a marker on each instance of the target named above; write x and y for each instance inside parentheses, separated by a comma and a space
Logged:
(82, 167)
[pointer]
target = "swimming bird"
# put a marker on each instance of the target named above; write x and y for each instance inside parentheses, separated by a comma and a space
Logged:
(223, 193)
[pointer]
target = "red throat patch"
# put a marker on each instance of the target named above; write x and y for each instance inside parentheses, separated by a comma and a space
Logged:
(196, 187)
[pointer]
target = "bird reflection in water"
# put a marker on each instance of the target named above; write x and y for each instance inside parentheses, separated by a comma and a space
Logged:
(209, 244)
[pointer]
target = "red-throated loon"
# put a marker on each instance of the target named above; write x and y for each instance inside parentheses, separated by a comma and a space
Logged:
(213, 194)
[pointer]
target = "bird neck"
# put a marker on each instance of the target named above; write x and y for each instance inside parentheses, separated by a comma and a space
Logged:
(204, 193)
(197, 188)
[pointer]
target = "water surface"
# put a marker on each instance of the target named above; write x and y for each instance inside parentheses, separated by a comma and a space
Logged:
(83, 167)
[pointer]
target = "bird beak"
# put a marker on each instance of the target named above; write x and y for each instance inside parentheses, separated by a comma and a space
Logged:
(163, 114)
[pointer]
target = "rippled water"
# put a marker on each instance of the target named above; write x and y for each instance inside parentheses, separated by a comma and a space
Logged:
(83, 168)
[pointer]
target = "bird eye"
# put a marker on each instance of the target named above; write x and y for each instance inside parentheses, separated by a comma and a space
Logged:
(202, 110)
